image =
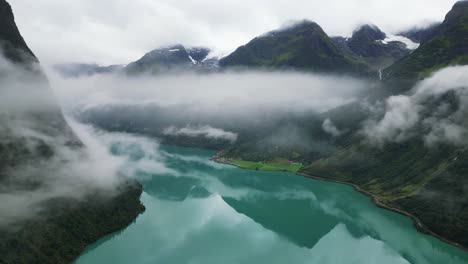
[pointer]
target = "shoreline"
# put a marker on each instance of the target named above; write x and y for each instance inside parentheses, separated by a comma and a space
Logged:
(417, 223)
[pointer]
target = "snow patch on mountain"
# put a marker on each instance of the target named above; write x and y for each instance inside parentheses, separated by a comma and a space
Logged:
(408, 42)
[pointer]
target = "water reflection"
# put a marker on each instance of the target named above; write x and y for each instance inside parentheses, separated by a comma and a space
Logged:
(214, 213)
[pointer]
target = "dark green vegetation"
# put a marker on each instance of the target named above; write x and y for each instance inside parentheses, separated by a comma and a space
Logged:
(430, 184)
(446, 45)
(68, 226)
(64, 226)
(306, 46)
(303, 46)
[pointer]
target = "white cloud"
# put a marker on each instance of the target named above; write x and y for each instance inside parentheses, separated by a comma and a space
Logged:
(330, 128)
(204, 131)
(230, 93)
(119, 31)
(401, 115)
(434, 110)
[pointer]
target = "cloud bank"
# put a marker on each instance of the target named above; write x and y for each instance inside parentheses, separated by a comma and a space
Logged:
(231, 93)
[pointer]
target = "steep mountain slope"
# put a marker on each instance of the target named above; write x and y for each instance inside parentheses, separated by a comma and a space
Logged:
(35, 141)
(12, 43)
(369, 43)
(447, 45)
(303, 46)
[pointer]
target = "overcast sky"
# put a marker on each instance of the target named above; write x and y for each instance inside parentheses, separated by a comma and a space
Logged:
(120, 31)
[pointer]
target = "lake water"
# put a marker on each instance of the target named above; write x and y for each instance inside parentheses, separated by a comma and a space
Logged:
(199, 211)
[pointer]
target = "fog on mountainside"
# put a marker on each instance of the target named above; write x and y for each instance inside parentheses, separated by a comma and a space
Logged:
(435, 110)
(42, 158)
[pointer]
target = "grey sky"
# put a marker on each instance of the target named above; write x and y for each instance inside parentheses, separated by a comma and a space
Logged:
(119, 31)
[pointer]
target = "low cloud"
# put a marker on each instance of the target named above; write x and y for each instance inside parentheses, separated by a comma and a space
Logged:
(43, 158)
(330, 128)
(209, 105)
(203, 131)
(53, 169)
(107, 160)
(401, 114)
(226, 94)
(435, 110)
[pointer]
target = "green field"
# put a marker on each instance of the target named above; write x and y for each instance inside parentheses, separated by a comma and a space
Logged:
(275, 165)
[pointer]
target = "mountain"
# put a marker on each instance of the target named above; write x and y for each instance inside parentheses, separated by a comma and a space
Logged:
(371, 44)
(173, 58)
(420, 35)
(75, 70)
(34, 139)
(445, 46)
(12, 43)
(302, 46)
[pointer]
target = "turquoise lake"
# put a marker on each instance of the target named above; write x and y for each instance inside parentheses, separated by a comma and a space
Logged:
(199, 211)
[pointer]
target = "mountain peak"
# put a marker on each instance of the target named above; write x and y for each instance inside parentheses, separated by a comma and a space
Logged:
(369, 32)
(372, 45)
(304, 23)
(172, 57)
(461, 3)
(11, 42)
(458, 11)
(295, 26)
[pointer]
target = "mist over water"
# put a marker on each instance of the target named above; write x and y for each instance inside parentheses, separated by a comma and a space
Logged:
(199, 211)
(223, 108)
